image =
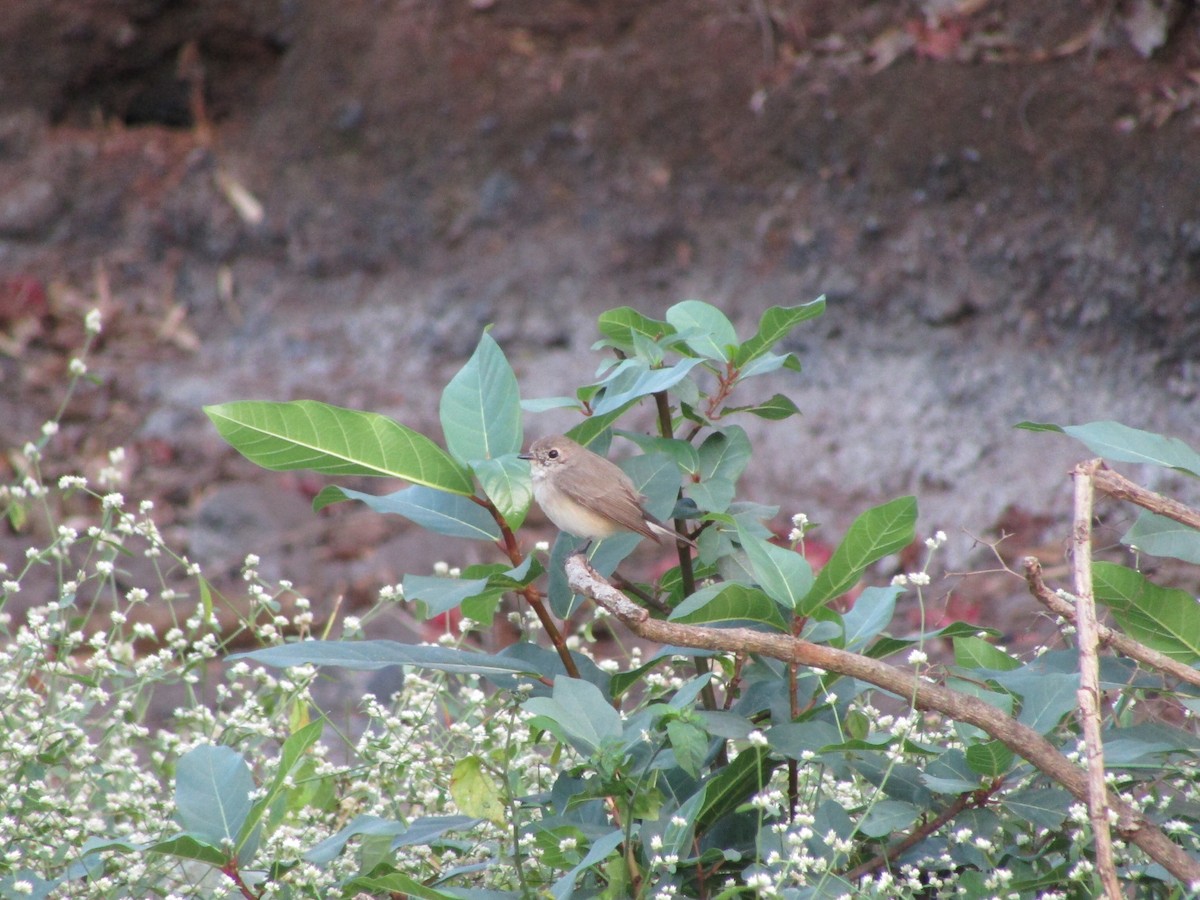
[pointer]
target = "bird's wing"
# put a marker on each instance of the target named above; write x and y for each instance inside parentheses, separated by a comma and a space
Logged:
(618, 498)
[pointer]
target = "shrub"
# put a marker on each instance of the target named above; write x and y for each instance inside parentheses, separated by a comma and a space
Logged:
(769, 748)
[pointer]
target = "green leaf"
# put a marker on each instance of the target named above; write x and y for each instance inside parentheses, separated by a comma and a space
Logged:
(872, 612)
(690, 743)
(973, 652)
(729, 603)
(291, 755)
(1046, 696)
(775, 409)
(1120, 443)
(683, 454)
(418, 832)
(185, 846)
(1042, 806)
(577, 714)
(439, 595)
(784, 574)
(634, 380)
(874, 534)
(621, 324)
(705, 329)
(725, 454)
(212, 793)
(1160, 536)
(305, 434)
(590, 429)
(886, 817)
(602, 848)
(368, 655)
(735, 784)
(545, 404)
(480, 407)
(393, 884)
(722, 458)
(507, 483)
(776, 324)
(475, 792)
(1166, 619)
(450, 514)
(990, 758)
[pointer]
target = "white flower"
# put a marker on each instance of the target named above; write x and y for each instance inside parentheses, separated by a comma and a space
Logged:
(92, 321)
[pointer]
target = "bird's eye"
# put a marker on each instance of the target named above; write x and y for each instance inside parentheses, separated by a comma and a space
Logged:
(553, 454)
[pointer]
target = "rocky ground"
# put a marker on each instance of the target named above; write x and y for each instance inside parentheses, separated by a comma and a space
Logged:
(998, 199)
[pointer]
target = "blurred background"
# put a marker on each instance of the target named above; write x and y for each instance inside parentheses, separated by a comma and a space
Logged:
(298, 199)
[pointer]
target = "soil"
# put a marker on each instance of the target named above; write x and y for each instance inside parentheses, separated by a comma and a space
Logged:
(1000, 201)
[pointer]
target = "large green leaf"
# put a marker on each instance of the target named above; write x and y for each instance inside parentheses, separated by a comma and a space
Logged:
(776, 323)
(784, 574)
(368, 655)
(733, 785)
(438, 594)
(481, 406)
(506, 482)
(704, 328)
(633, 380)
(1166, 619)
(1120, 443)
(1160, 536)
(416, 833)
(723, 457)
(212, 793)
(449, 514)
(872, 612)
(622, 325)
(873, 535)
(577, 714)
(773, 409)
(305, 434)
(727, 603)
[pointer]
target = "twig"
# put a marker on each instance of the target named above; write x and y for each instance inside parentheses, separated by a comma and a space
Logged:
(1122, 643)
(1024, 741)
(1109, 482)
(1089, 675)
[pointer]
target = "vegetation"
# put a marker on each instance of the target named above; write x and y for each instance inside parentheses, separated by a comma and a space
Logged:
(776, 740)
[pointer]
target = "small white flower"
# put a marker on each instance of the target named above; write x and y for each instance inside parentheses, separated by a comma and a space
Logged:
(918, 658)
(918, 578)
(899, 580)
(115, 500)
(756, 738)
(77, 367)
(92, 321)
(800, 520)
(49, 429)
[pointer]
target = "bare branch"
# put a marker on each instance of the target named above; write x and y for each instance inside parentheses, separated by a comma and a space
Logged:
(1122, 643)
(1089, 675)
(1109, 482)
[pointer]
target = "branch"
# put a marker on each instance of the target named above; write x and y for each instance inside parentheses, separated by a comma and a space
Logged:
(1022, 740)
(1122, 643)
(1109, 482)
(531, 594)
(1089, 676)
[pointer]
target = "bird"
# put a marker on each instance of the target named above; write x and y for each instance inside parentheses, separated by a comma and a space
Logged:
(588, 496)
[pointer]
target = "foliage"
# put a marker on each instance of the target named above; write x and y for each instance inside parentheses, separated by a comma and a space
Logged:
(541, 770)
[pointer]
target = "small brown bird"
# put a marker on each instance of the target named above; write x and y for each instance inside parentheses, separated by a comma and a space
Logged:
(586, 495)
